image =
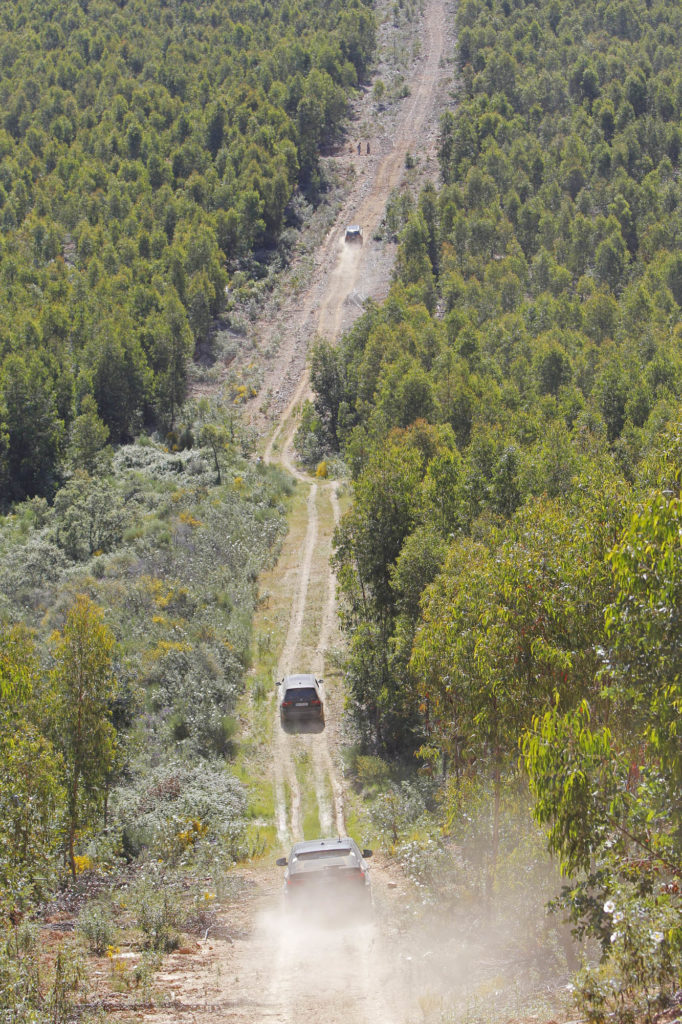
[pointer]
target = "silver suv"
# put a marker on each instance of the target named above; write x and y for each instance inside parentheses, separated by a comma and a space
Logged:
(327, 875)
(353, 234)
(300, 697)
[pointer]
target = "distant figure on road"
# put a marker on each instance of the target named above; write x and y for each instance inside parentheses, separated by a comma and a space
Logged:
(368, 149)
(359, 148)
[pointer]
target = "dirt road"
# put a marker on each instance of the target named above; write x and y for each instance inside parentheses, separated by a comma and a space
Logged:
(272, 970)
(346, 275)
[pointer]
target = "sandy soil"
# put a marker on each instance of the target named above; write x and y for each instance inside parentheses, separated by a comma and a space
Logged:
(273, 968)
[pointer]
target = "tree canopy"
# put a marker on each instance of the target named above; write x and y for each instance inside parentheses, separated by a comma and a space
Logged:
(145, 150)
(510, 417)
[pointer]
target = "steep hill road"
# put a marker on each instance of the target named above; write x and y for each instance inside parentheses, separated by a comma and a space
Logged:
(269, 969)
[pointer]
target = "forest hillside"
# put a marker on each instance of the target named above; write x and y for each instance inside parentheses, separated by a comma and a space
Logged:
(147, 150)
(503, 434)
(151, 154)
(511, 418)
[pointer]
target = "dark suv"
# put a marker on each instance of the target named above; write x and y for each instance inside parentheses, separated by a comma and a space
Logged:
(327, 875)
(300, 697)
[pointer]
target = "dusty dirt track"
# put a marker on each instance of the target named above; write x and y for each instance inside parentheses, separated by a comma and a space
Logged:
(346, 275)
(271, 969)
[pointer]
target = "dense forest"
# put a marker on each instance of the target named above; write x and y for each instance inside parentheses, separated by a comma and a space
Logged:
(511, 563)
(150, 152)
(510, 566)
(146, 151)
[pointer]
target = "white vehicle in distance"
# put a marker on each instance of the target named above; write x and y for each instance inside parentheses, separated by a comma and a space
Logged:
(353, 234)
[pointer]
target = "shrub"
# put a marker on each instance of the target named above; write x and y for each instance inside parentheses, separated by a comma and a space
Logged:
(157, 913)
(396, 812)
(156, 812)
(19, 974)
(96, 926)
(371, 771)
(640, 970)
(30, 991)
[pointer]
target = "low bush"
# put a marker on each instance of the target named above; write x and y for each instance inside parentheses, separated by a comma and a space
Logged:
(34, 990)
(173, 810)
(97, 927)
(157, 912)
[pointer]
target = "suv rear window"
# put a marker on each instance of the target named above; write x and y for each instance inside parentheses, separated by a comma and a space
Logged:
(301, 693)
(316, 861)
(324, 854)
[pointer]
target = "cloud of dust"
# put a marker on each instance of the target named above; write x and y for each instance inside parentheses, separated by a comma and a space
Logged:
(347, 262)
(422, 954)
(468, 943)
(327, 963)
(419, 956)
(341, 286)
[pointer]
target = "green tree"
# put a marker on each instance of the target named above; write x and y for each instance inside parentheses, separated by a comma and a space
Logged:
(31, 808)
(87, 437)
(644, 626)
(31, 796)
(83, 688)
(326, 377)
(607, 775)
(120, 378)
(17, 664)
(89, 516)
(172, 349)
(33, 427)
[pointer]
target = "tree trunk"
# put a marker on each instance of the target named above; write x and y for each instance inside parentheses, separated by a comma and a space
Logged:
(73, 823)
(495, 846)
(214, 449)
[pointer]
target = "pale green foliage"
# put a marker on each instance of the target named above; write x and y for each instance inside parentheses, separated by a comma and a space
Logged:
(157, 914)
(95, 923)
(83, 688)
(172, 811)
(397, 811)
(644, 963)
(91, 517)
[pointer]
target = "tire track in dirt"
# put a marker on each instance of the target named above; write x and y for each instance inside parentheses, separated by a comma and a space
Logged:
(285, 767)
(321, 308)
(351, 990)
(323, 763)
(388, 176)
(331, 816)
(328, 318)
